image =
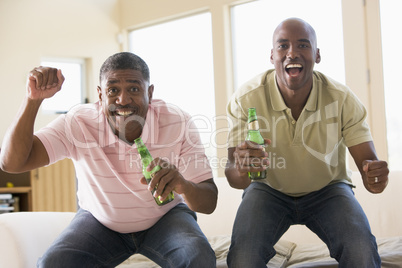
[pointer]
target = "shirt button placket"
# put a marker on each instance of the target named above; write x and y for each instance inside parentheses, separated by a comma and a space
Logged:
(129, 158)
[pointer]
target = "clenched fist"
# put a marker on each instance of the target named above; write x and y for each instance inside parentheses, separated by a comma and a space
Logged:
(44, 82)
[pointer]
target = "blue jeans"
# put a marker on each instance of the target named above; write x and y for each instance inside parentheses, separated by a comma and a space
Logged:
(174, 241)
(333, 213)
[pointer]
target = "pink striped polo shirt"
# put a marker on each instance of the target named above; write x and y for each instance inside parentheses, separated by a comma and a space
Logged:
(108, 170)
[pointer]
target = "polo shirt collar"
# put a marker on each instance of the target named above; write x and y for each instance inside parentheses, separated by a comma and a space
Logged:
(278, 104)
(312, 101)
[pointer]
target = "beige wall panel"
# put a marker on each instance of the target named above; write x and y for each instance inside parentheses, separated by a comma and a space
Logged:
(54, 187)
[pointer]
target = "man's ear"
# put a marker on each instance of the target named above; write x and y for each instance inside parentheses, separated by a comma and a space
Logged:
(272, 56)
(99, 93)
(150, 93)
(318, 56)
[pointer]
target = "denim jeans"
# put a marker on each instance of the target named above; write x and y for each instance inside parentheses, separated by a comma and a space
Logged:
(333, 213)
(174, 241)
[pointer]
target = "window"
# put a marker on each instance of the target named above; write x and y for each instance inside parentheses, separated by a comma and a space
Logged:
(72, 91)
(389, 10)
(255, 22)
(179, 56)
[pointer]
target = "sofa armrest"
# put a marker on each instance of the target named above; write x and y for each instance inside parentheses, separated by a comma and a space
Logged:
(25, 236)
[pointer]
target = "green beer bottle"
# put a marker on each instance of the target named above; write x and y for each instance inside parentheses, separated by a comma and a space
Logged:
(253, 134)
(146, 159)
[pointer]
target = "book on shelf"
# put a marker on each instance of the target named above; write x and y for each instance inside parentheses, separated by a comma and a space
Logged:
(6, 196)
(8, 203)
(6, 209)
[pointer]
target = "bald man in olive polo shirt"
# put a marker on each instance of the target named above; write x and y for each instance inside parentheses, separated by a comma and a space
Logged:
(308, 121)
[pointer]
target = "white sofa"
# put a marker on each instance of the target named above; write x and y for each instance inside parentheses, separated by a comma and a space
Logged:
(24, 236)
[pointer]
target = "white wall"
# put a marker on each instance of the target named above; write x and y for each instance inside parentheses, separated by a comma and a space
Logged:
(30, 30)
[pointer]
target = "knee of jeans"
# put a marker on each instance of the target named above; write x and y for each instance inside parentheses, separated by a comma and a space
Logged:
(251, 254)
(200, 248)
(49, 259)
(355, 246)
(195, 252)
(358, 254)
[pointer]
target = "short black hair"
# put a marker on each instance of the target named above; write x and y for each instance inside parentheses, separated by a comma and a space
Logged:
(124, 61)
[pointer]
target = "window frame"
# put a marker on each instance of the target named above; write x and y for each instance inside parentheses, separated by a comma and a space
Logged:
(83, 93)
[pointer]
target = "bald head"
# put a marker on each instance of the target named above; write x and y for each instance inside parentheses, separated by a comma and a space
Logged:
(296, 23)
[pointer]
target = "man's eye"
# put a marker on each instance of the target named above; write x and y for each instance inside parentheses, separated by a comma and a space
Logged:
(282, 46)
(134, 89)
(112, 91)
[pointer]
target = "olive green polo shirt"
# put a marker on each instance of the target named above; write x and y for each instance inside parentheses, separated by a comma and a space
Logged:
(305, 154)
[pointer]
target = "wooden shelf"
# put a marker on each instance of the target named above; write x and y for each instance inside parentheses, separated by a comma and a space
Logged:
(51, 188)
(24, 193)
(15, 190)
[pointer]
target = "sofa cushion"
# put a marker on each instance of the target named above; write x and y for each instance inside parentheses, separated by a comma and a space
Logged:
(307, 255)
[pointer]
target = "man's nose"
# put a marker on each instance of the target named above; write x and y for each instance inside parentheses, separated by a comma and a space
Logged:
(124, 98)
(292, 52)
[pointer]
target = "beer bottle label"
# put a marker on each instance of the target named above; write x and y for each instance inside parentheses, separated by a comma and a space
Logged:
(253, 125)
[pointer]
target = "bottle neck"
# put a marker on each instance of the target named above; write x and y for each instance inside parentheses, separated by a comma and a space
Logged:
(139, 142)
(145, 156)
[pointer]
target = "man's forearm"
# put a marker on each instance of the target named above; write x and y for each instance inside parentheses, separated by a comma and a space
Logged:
(202, 197)
(17, 144)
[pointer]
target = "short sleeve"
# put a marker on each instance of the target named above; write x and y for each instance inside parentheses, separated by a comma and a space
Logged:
(53, 138)
(355, 129)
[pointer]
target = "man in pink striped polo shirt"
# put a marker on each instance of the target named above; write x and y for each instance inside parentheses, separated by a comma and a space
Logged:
(118, 215)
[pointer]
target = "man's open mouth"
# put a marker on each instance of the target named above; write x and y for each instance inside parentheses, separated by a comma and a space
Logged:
(124, 113)
(294, 69)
